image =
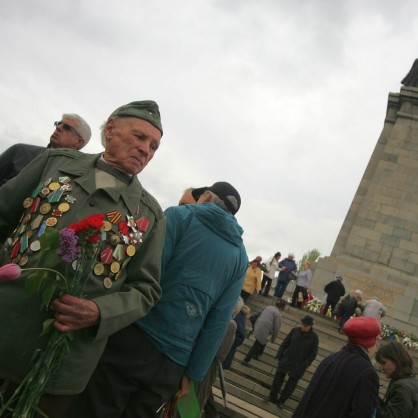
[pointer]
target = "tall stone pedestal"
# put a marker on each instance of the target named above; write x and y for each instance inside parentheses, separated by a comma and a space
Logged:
(377, 248)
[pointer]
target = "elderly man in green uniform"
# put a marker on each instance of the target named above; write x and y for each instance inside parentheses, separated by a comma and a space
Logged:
(61, 187)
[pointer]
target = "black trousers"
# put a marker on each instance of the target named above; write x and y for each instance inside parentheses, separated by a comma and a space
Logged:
(278, 380)
(133, 379)
(255, 351)
(266, 282)
(295, 301)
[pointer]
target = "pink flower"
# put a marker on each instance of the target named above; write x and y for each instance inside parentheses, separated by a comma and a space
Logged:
(9, 272)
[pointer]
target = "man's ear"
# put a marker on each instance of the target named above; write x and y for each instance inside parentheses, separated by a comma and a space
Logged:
(80, 143)
(109, 128)
(205, 197)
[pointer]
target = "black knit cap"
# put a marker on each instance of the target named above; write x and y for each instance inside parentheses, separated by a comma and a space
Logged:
(307, 320)
(223, 190)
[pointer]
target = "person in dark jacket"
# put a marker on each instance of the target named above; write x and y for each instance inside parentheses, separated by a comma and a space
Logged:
(345, 384)
(347, 307)
(297, 351)
(334, 290)
(401, 399)
(240, 334)
(286, 267)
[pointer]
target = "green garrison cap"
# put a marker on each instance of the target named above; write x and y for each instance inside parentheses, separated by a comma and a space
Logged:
(145, 109)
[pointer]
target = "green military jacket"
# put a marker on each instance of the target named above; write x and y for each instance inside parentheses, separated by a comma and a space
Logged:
(26, 208)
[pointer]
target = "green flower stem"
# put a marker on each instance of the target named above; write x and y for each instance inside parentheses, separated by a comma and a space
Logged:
(51, 270)
(47, 364)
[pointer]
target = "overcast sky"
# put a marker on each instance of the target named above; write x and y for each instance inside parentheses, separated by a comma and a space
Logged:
(284, 99)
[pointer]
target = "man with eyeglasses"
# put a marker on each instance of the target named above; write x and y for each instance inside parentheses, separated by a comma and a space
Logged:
(72, 131)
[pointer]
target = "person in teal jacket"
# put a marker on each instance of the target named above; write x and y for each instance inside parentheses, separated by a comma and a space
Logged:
(82, 185)
(203, 268)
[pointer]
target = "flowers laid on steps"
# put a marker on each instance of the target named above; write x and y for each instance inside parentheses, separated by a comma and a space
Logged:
(388, 332)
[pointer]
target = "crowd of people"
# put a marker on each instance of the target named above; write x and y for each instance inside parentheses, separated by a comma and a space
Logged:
(163, 306)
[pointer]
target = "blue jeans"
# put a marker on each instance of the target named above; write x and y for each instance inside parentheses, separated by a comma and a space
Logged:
(280, 288)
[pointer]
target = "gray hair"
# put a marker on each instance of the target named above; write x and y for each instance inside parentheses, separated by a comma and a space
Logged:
(219, 202)
(81, 126)
(102, 133)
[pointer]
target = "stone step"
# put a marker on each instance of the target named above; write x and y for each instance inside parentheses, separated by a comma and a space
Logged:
(248, 386)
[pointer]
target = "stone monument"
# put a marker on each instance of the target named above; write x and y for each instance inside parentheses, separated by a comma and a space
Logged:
(377, 247)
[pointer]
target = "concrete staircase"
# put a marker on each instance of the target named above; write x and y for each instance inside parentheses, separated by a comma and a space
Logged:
(248, 386)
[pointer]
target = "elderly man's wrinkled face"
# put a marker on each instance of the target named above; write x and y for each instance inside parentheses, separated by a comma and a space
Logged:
(66, 135)
(130, 143)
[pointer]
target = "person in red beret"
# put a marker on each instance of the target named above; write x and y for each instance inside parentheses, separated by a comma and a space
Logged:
(345, 384)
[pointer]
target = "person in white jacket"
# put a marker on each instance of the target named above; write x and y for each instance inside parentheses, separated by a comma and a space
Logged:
(271, 266)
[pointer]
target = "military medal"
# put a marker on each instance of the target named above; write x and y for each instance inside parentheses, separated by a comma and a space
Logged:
(35, 246)
(54, 186)
(64, 207)
(107, 283)
(114, 239)
(55, 196)
(36, 222)
(42, 228)
(27, 203)
(37, 190)
(45, 208)
(130, 250)
(98, 269)
(24, 242)
(35, 205)
(113, 216)
(106, 256)
(15, 250)
(115, 267)
(107, 226)
(64, 180)
(23, 260)
(119, 252)
(22, 229)
(142, 224)
(123, 227)
(45, 192)
(51, 221)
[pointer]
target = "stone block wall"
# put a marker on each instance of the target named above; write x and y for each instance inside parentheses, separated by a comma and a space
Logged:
(377, 247)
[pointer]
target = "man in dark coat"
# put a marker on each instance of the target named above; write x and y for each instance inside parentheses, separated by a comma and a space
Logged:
(334, 291)
(345, 384)
(297, 351)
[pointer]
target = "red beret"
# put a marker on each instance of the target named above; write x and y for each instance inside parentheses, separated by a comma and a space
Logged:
(362, 331)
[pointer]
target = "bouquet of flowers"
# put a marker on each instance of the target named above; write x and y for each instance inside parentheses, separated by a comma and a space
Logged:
(314, 305)
(77, 246)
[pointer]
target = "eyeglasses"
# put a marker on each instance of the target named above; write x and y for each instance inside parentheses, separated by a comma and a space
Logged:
(67, 127)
